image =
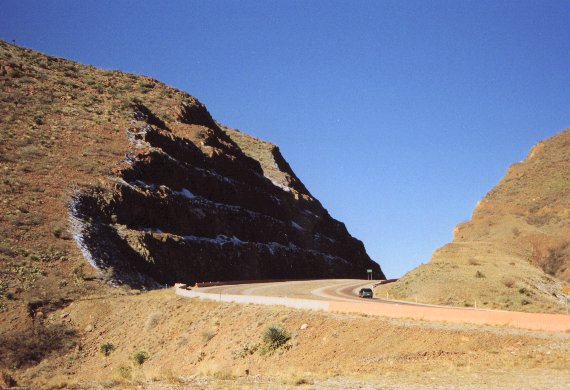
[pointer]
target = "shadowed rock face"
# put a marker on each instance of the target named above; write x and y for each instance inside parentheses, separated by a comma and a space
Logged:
(199, 201)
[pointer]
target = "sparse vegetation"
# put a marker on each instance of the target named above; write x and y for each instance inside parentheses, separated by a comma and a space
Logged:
(79, 273)
(245, 350)
(479, 274)
(508, 282)
(541, 219)
(140, 357)
(57, 231)
(107, 274)
(125, 372)
(152, 321)
(274, 337)
(525, 291)
(107, 348)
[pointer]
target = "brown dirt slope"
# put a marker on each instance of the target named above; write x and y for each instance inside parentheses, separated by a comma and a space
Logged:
(183, 341)
(515, 251)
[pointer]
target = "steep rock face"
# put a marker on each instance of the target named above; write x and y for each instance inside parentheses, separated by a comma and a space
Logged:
(196, 201)
(515, 251)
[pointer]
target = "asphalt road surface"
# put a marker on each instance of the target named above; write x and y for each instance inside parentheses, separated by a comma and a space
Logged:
(342, 296)
(344, 290)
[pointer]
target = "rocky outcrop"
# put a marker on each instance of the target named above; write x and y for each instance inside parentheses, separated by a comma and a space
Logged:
(197, 201)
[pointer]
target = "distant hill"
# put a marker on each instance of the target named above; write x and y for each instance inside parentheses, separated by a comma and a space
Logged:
(514, 253)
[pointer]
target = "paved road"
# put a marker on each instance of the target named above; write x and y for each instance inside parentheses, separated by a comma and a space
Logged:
(341, 296)
(342, 290)
(339, 289)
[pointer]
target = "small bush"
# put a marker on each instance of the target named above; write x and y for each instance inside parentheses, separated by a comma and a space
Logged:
(39, 119)
(107, 348)
(152, 321)
(540, 219)
(479, 274)
(79, 272)
(140, 357)
(107, 274)
(525, 291)
(508, 282)
(125, 372)
(57, 231)
(245, 350)
(274, 337)
(516, 231)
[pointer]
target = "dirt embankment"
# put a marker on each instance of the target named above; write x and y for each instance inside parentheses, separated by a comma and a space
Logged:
(181, 340)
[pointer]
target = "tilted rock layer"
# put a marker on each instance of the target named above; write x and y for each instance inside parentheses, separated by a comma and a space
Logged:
(515, 251)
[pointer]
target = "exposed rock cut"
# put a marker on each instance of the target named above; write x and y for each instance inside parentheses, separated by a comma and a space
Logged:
(196, 201)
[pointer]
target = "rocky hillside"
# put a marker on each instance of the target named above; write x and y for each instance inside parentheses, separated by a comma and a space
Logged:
(137, 179)
(515, 251)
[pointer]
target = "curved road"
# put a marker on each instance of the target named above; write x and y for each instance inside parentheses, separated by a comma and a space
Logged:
(342, 290)
(341, 295)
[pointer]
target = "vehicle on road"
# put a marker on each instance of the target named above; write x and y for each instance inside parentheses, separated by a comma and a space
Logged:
(366, 293)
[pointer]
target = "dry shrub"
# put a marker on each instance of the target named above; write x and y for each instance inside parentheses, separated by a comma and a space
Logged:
(508, 282)
(152, 321)
(541, 219)
(125, 372)
(140, 357)
(217, 370)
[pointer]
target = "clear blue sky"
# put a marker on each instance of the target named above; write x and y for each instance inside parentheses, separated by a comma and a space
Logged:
(398, 115)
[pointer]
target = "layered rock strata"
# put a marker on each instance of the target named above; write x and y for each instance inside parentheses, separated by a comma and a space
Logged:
(198, 201)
